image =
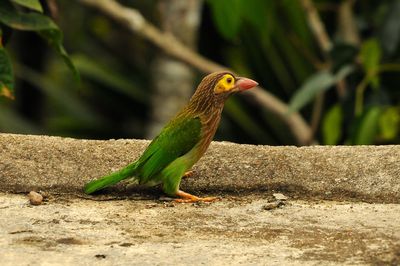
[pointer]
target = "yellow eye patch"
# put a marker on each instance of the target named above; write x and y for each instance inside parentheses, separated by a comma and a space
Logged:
(225, 84)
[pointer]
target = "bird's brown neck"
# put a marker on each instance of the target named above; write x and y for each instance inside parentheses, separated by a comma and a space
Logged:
(204, 101)
(208, 108)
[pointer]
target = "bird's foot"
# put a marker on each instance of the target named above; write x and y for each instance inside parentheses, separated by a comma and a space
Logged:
(189, 174)
(189, 198)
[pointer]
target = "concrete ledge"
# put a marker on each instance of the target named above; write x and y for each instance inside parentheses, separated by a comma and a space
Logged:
(55, 164)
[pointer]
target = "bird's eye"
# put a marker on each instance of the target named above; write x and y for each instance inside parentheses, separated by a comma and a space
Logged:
(229, 80)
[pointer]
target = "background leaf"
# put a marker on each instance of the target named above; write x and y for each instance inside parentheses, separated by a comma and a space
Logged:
(31, 4)
(389, 123)
(24, 21)
(367, 128)
(54, 38)
(332, 125)
(370, 56)
(318, 82)
(109, 77)
(261, 15)
(227, 16)
(6, 75)
(298, 22)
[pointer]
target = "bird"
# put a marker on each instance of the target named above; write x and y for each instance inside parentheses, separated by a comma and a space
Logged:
(182, 141)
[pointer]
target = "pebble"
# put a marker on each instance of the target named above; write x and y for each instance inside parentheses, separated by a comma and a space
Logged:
(273, 205)
(279, 196)
(35, 198)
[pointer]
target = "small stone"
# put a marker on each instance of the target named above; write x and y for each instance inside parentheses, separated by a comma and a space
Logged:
(150, 206)
(125, 244)
(273, 205)
(35, 198)
(164, 198)
(279, 196)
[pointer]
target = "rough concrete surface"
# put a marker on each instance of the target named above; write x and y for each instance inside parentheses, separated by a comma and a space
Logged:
(369, 173)
(342, 207)
(233, 231)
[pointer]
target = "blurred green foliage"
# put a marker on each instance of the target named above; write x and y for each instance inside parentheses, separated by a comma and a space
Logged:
(269, 41)
(15, 19)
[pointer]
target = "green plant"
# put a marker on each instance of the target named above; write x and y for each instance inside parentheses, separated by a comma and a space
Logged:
(346, 86)
(26, 15)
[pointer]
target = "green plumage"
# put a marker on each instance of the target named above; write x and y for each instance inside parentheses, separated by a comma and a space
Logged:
(175, 141)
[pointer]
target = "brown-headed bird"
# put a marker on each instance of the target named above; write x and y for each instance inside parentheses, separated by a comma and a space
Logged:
(183, 141)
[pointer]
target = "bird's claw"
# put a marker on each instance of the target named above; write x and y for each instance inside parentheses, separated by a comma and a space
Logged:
(197, 199)
(189, 198)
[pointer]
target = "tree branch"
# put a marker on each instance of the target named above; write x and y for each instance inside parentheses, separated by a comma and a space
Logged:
(325, 45)
(135, 22)
(317, 27)
(347, 23)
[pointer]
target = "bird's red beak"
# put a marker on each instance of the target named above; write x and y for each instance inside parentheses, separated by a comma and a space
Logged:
(245, 83)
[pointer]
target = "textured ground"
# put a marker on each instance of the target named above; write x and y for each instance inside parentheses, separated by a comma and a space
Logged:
(74, 231)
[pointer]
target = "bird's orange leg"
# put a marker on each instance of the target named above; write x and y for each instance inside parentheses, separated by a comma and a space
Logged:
(189, 198)
(188, 174)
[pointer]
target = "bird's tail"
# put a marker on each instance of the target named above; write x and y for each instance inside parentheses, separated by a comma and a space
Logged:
(110, 179)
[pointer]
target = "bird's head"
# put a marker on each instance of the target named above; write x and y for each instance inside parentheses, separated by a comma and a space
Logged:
(215, 88)
(227, 83)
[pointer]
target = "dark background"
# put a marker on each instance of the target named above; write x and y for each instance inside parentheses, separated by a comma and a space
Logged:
(129, 87)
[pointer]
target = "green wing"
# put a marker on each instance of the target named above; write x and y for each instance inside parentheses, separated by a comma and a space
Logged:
(176, 139)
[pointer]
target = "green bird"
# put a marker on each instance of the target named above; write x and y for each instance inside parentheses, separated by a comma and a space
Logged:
(183, 141)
